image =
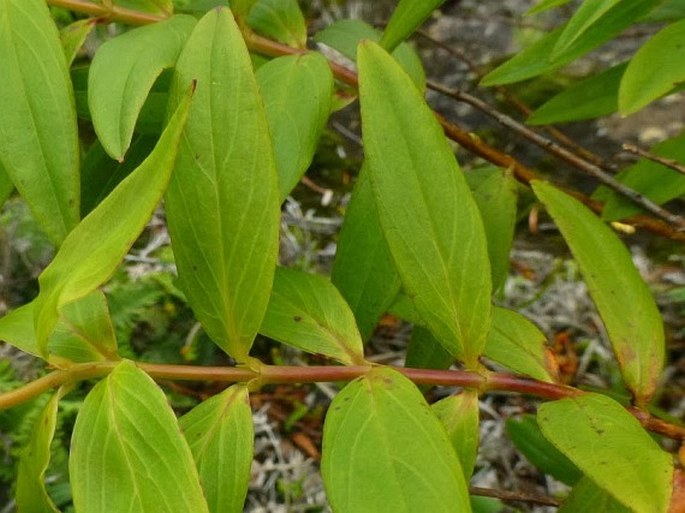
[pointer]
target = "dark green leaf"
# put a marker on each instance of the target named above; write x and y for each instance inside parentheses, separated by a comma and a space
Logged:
(527, 437)
(306, 311)
(495, 193)
(654, 70)
(460, 415)
(608, 444)
(281, 20)
(297, 92)
(405, 19)
(518, 344)
(623, 299)
(429, 219)
(384, 450)
(127, 452)
(659, 183)
(363, 270)
(100, 174)
(592, 97)
(36, 101)
(88, 257)
(222, 205)
(122, 74)
(221, 438)
(424, 351)
(535, 59)
(30, 494)
(345, 35)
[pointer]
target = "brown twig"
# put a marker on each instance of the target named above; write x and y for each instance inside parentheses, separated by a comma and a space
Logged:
(562, 153)
(108, 13)
(467, 140)
(516, 102)
(669, 163)
(514, 496)
(272, 374)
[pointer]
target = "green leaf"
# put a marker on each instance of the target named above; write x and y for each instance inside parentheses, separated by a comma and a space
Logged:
(84, 332)
(608, 444)
(36, 101)
(87, 258)
(6, 186)
(345, 35)
(222, 205)
(429, 218)
(74, 35)
(590, 98)
(544, 5)
(297, 92)
(495, 193)
(460, 415)
(653, 71)
(127, 452)
(281, 20)
(525, 433)
(122, 74)
(623, 299)
(656, 181)
(535, 59)
(385, 451)
(518, 344)
(363, 270)
(30, 494)
(221, 438)
(306, 311)
(586, 15)
(587, 496)
(405, 19)
(424, 351)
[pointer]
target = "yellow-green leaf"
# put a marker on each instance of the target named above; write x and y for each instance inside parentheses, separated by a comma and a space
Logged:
(92, 251)
(656, 68)
(518, 344)
(122, 74)
(38, 134)
(428, 216)
(221, 437)
(306, 311)
(608, 444)
(297, 92)
(31, 495)
(74, 35)
(128, 453)
(385, 451)
(405, 19)
(84, 332)
(623, 299)
(460, 415)
(281, 20)
(222, 204)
